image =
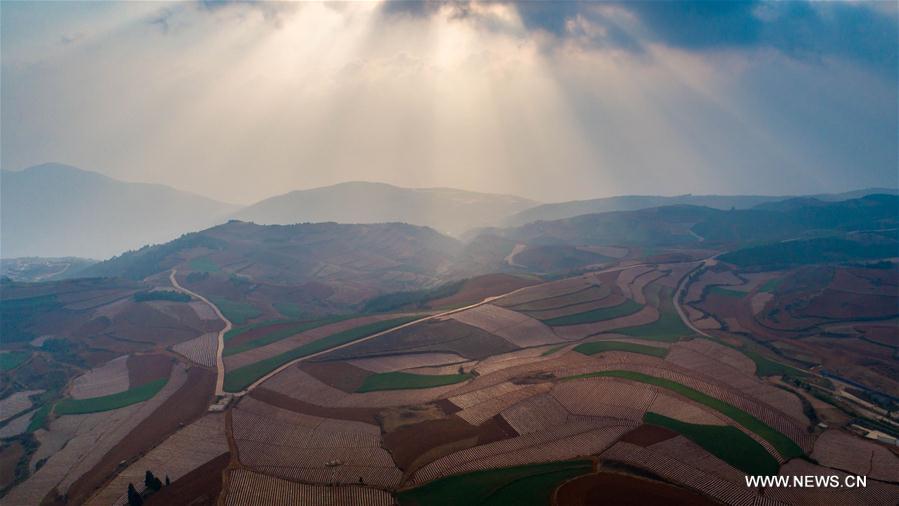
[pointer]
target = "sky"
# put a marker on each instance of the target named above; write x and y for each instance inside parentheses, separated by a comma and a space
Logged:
(553, 101)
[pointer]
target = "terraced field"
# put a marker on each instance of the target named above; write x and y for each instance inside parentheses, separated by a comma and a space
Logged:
(406, 381)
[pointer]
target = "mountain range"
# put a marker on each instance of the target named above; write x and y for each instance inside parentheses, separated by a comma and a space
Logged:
(55, 210)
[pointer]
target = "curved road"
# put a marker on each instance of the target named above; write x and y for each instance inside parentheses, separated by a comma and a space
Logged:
(219, 361)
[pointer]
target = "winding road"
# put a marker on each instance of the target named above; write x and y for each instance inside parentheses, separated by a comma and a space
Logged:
(219, 361)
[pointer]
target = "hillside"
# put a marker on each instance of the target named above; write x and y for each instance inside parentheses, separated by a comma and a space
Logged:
(561, 210)
(320, 267)
(448, 210)
(55, 210)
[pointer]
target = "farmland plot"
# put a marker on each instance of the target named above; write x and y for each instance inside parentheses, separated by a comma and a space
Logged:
(604, 397)
(199, 350)
(492, 401)
(546, 291)
(711, 360)
(390, 363)
(850, 453)
(682, 449)
(518, 329)
(608, 304)
(874, 494)
(537, 413)
(298, 384)
(590, 293)
(644, 316)
(16, 426)
(247, 488)
(685, 474)
(559, 443)
(309, 448)
(90, 437)
(16, 403)
(685, 410)
(627, 276)
(110, 378)
(184, 451)
(203, 310)
(254, 355)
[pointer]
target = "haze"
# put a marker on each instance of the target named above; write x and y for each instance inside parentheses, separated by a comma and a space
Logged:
(242, 101)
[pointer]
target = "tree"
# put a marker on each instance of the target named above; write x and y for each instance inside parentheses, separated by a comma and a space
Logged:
(461, 370)
(167, 481)
(134, 499)
(151, 482)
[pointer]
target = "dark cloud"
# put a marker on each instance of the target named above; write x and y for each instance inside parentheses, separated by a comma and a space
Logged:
(863, 32)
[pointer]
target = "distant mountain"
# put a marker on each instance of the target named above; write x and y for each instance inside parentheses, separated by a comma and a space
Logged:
(447, 210)
(55, 210)
(564, 210)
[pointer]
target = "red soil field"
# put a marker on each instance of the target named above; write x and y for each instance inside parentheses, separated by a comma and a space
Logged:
(184, 406)
(622, 490)
(279, 400)
(844, 305)
(888, 335)
(646, 435)
(410, 442)
(200, 487)
(479, 288)
(339, 375)
(143, 369)
(9, 457)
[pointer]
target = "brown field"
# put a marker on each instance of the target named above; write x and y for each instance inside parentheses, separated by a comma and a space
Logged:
(339, 375)
(187, 404)
(409, 443)
(875, 493)
(200, 487)
(590, 293)
(112, 377)
(851, 453)
(9, 459)
(445, 336)
(646, 435)
(367, 415)
(623, 490)
(145, 368)
(516, 328)
(187, 449)
(477, 289)
(546, 290)
(884, 334)
(247, 488)
(644, 316)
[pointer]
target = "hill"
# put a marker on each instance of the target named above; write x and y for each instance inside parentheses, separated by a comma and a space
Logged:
(312, 267)
(561, 210)
(55, 210)
(448, 210)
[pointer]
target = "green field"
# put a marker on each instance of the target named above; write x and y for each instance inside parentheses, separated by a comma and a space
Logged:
(601, 346)
(110, 402)
(595, 315)
(39, 418)
(408, 381)
(784, 445)
(530, 484)
(12, 359)
(723, 441)
(203, 264)
(767, 367)
(552, 350)
(289, 310)
(243, 377)
(237, 312)
(771, 285)
(281, 334)
(668, 328)
(236, 331)
(726, 292)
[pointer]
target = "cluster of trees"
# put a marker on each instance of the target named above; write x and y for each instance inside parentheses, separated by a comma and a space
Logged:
(151, 484)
